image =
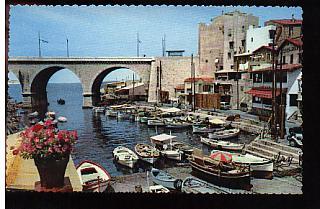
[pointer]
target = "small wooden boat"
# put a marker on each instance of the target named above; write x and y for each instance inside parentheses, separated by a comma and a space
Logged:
(196, 186)
(62, 119)
(162, 178)
(178, 125)
(185, 148)
(220, 173)
(125, 156)
(147, 152)
(158, 189)
(33, 114)
(143, 119)
(202, 129)
(259, 167)
(222, 145)
(225, 134)
(93, 176)
(172, 154)
(61, 101)
(156, 122)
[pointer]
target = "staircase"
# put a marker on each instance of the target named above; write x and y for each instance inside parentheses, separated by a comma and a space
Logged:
(281, 154)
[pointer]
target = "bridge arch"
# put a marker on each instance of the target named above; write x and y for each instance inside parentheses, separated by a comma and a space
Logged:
(99, 77)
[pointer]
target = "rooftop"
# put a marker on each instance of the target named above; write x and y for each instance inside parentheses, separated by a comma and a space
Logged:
(205, 79)
(285, 67)
(287, 21)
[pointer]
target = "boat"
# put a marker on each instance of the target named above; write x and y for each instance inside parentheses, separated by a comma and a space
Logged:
(143, 119)
(222, 145)
(147, 152)
(33, 114)
(222, 173)
(177, 125)
(62, 119)
(61, 101)
(156, 122)
(164, 143)
(185, 148)
(111, 113)
(93, 176)
(50, 114)
(201, 129)
(98, 109)
(198, 186)
(259, 167)
(125, 156)
(225, 134)
(158, 189)
(162, 178)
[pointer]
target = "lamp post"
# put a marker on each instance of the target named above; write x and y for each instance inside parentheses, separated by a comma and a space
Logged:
(273, 114)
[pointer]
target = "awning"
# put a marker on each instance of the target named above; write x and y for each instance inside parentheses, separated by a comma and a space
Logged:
(162, 137)
(262, 93)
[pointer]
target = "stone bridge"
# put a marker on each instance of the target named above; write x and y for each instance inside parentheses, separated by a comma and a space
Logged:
(35, 72)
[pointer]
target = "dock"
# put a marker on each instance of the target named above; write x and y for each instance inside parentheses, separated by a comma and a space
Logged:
(22, 174)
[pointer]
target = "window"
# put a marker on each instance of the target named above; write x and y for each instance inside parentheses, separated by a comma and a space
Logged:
(231, 44)
(229, 55)
(257, 78)
(243, 43)
(243, 29)
(256, 99)
(291, 59)
(293, 99)
(206, 61)
(231, 66)
(221, 67)
(290, 30)
(229, 32)
(284, 60)
(206, 88)
(251, 39)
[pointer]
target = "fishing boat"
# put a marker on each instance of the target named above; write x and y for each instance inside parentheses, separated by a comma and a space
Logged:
(62, 119)
(196, 186)
(185, 148)
(93, 176)
(222, 145)
(156, 122)
(33, 114)
(158, 189)
(203, 129)
(125, 156)
(259, 167)
(220, 170)
(162, 178)
(147, 152)
(177, 125)
(61, 101)
(225, 134)
(164, 143)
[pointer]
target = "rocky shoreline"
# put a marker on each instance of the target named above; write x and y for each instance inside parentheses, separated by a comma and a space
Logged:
(13, 117)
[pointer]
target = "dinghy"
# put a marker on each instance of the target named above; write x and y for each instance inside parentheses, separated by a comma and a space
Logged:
(125, 156)
(196, 186)
(147, 152)
(158, 189)
(225, 134)
(62, 119)
(93, 176)
(222, 145)
(162, 178)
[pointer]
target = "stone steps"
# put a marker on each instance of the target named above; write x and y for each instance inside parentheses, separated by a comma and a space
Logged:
(280, 146)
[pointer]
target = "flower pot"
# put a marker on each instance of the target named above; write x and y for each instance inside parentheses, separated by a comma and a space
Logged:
(51, 171)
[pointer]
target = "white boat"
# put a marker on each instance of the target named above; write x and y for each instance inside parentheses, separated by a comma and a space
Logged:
(156, 122)
(158, 189)
(98, 109)
(62, 119)
(201, 129)
(164, 143)
(162, 178)
(147, 152)
(93, 176)
(222, 145)
(125, 156)
(33, 114)
(196, 186)
(177, 125)
(259, 167)
(224, 134)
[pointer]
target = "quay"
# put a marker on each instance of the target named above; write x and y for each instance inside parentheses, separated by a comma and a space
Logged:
(22, 174)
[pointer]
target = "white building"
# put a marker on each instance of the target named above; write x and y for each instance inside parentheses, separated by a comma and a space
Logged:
(257, 37)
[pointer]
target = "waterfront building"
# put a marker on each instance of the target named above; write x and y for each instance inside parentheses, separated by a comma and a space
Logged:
(223, 38)
(135, 91)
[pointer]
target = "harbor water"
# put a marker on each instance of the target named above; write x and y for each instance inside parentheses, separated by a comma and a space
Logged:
(99, 135)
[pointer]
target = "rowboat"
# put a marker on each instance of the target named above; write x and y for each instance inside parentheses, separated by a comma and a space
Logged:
(259, 167)
(177, 125)
(125, 156)
(196, 186)
(224, 134)
(93, 176)
(147, 152)
(164, 143)
(222, 145)
(220, 173)
(158, 189)
(200, 129)
(185, 148)
(62, 119)
(162, 178)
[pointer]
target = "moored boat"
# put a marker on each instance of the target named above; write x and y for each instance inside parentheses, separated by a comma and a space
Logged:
(225, 134)
(186, 148)
(33, 114)
(147, 152)
(203, 129)
(93, 176)
(158, 189)
(222, 145)
(259, 167)
(125, 156)
(220, 173)
(111, 113)
(98, 109)
(143, 119)
(156, 122)
(62, 119)
(164, 143)
(163, 178)
(196, 186)
(178, 125)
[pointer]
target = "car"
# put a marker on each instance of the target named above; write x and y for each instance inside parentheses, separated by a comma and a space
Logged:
(225, 106)
(295, 136)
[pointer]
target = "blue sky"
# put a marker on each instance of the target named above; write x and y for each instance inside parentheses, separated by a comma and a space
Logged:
(112, 30)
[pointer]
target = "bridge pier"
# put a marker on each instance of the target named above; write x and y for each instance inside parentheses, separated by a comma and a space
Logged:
(27, 100)
(87, 100)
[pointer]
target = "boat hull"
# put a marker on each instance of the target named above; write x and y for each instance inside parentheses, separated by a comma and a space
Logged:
(215, 135)
(236, 147)
(172, 155)
(197, 186)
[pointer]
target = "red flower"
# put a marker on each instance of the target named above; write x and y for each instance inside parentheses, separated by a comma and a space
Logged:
(37, 127)
(48, 123)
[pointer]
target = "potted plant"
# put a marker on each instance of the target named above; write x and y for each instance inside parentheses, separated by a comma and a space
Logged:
(50, 150)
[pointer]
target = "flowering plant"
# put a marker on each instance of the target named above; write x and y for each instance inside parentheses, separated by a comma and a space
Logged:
(43, 141)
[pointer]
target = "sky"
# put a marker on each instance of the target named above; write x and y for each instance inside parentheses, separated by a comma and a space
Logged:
(110, 31)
